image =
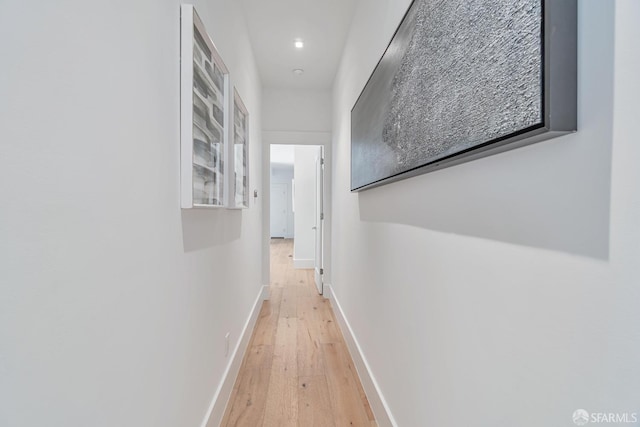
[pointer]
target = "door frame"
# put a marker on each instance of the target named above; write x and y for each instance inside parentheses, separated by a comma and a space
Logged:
(319, 222)
(295, 138)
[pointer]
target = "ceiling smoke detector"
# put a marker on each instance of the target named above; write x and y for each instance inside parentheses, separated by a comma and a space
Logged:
(298, 71)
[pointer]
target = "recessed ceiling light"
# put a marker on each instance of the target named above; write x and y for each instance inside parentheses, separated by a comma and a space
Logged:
(298, 71)
(298, 43)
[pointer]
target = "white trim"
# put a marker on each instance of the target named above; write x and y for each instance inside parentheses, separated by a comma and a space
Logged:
(378, 404)
(223, 393)
(295, 137)
(304, 263)
(266, 292)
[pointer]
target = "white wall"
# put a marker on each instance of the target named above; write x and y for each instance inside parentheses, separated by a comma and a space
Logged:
(296, 110)
(506, 288)
(113, 302)
(304, 200)
(283, 174)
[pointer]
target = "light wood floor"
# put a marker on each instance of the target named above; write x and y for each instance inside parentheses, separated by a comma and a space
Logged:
(297, 370)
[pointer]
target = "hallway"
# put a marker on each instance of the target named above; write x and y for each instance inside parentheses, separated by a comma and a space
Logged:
(498, 292)
(297, 370)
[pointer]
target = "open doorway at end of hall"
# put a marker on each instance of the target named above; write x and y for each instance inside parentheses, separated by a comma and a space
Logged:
(296, 212)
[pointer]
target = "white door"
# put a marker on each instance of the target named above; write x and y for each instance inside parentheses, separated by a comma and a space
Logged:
(319, 212)
(278, 210)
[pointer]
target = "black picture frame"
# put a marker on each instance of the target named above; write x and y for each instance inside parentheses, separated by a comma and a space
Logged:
(557, 113)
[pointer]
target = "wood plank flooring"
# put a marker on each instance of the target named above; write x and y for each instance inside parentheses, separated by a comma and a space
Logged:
(297, 370)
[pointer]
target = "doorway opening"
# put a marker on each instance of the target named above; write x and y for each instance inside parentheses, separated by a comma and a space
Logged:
(297, 212)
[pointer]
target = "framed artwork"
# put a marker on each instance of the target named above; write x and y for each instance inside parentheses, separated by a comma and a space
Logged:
(204, 111)
(463, 79)
(239, 192)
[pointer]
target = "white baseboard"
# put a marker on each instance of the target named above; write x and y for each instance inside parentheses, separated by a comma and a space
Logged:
(304, 263)
(223, 393)
(378, 404)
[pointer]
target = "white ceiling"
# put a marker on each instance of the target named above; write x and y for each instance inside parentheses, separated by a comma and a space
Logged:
(275, 24)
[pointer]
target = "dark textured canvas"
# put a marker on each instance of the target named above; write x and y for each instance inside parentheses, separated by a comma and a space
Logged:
(457, 74)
